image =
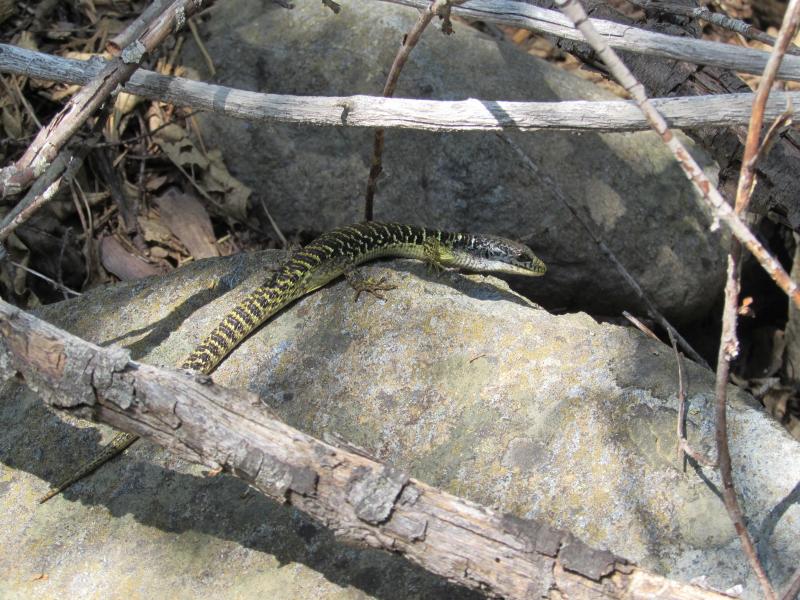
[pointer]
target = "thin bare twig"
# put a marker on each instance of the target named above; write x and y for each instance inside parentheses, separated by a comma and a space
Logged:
(59, 286)
(436, 7)
(202, 47)
(641, 326)
(728, 341)
(713, 198)
(274, 225)
(621, 36)
(22, 99)
(574, 10)
(376, 166)
(60, 171)
(779, 125)
(793, 591)
(136, 27)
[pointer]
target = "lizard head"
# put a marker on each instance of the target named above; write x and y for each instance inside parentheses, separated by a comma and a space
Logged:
(491, 254)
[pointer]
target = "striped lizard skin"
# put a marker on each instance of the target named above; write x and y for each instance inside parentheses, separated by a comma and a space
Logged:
(329, 256)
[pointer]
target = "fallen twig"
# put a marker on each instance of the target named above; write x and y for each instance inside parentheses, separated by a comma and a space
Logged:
(56, 284)
(634, 285)
(684, 448)
(574, 10)
(714, 200)
(61, 170)
(640, 326)
(618, 36)
(793, 590)
(274, 225)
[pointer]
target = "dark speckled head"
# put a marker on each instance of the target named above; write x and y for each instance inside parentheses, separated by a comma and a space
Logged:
(494, 254)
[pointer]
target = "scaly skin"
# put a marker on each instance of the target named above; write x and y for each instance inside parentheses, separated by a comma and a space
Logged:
(326, 258)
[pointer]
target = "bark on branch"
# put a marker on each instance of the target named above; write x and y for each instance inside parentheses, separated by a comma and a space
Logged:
(402, 113)
(619, 36)
(359, 498)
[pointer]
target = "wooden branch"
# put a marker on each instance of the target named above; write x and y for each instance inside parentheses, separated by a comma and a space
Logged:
(793, 589)
(719, 19)
(136, 27)
(49, 141)
(402, 113)
(619, 36)
(359, 498)
(59, 172)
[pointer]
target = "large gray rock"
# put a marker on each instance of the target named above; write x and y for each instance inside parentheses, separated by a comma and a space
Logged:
(313, 178)
(455, 379)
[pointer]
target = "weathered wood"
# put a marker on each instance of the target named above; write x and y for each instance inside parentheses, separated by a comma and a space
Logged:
(619, 36)
(359, 498)
(402, 113)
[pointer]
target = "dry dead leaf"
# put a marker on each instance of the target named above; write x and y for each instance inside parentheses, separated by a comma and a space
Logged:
(153, 182)
(234, 194)
(167, 133)
(27, 40)
(746, 308)
(211, 174)
(188, 219)
(125, 103)
(123, 264)
(154, 230)
(183, 153)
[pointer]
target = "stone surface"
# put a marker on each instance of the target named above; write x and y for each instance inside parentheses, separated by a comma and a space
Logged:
(313, 178)
(454, 379)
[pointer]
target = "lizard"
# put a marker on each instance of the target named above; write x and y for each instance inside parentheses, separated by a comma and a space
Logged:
(331, 255)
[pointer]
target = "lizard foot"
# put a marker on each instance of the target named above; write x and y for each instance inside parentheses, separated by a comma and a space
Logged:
(370, 285)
